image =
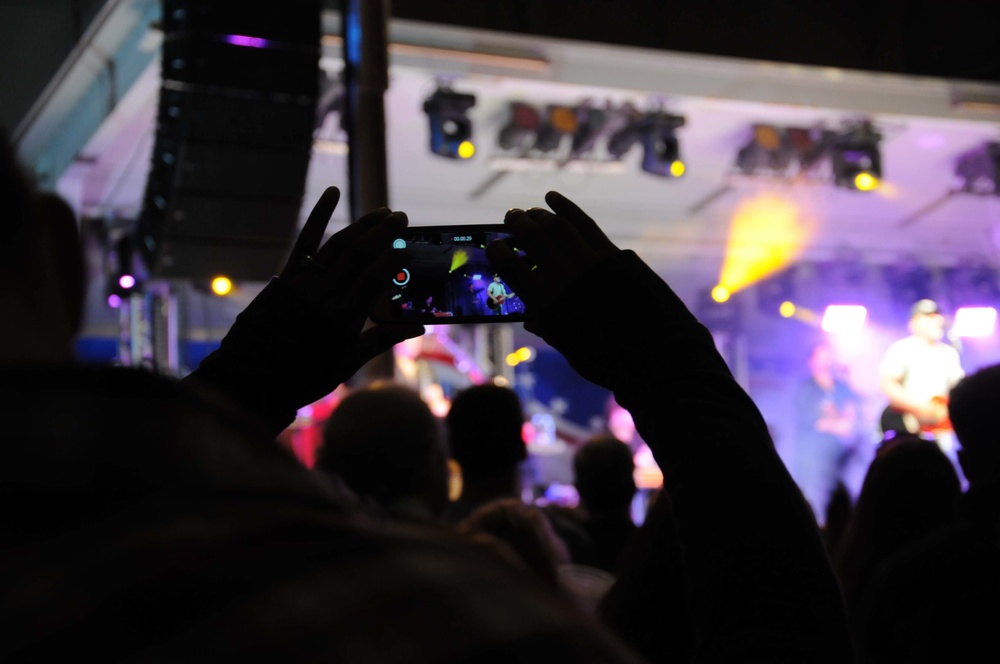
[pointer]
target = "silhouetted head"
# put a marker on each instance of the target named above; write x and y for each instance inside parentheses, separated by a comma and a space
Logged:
(974, 409)
(603, 468)
(385, 443)
(527, 531)
(911, 489)
(41, 270)
(484, 432)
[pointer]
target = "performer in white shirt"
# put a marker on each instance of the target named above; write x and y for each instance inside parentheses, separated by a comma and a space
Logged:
(916, 374)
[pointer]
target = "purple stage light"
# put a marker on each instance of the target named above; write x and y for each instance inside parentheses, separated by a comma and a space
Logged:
(250, 42)
(114, 301)
(844, 318)
(126, 281)
(975, 321)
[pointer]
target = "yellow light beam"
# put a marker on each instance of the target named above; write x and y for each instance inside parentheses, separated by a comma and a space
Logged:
(458, 259)
(767, 233)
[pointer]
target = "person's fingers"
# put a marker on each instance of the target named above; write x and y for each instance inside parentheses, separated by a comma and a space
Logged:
(514, 269)
(375, 280)
(581, 221)
(527, 235)
(360, 254)
(312, 231)
(330, 253)
(567, 243)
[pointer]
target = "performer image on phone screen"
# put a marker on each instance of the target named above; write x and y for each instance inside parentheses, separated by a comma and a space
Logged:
(916, 374)
(496, 296)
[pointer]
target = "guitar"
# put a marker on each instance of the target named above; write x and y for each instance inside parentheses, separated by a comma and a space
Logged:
(901, 421)
(495, 302)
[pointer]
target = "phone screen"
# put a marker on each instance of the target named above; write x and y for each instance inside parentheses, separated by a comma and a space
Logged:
(449, 279)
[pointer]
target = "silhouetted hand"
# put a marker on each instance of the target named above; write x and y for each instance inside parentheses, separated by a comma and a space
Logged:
(345, 276)
(305, 333)
(560, 249)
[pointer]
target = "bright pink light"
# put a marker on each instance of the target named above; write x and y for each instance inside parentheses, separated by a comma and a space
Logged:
(126, 281)
(528, 433)
(844, 318)
(114, 301)
(975, 321)
(244, 40)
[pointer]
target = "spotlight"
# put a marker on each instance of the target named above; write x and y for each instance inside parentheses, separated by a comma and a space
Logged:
(865, 181)
(222, 286)
(857, 161)
(559, 121)
(590, 123)
(123, 272)
(978, 172)
(720, 293)
(451, 128)
(770, 148)
(844, 318)
(523, 124)
(975, 321)
(787, 309)
(808, 145)
(661, 150)
(627, 134)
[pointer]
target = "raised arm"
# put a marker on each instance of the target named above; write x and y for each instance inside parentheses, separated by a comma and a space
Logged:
(304, 334)
(760, 585)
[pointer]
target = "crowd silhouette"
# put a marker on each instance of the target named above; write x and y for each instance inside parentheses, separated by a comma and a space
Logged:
(154, 519)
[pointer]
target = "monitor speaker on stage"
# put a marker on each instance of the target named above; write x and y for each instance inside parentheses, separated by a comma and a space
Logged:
(234, 134)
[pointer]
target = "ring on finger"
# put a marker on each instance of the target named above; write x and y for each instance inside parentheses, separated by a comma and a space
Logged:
(309, 262)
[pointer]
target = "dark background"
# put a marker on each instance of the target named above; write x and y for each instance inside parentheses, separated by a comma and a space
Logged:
(954, 39)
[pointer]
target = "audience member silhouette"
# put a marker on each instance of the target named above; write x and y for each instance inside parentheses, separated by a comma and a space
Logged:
(527, 531)
(839, 509)
(484, 435)
(146, 518)
(603, 471)
(910, 490)
(938, 600)
(385, 444)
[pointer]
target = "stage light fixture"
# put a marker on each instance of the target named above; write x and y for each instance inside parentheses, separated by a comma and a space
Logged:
(559, 121)
(787, 309)
(626, 134)
(720, 294)
(770, 147)
(590, 123)
(978, 171)
(974, 322)
(844, 318)
(808, 145)
(450, 125)
(856, 158)
(661, 149)
(124, 274)
(523, 124)
(222, 286)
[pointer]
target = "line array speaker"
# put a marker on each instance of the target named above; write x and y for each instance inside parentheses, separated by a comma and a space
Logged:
(234, 134)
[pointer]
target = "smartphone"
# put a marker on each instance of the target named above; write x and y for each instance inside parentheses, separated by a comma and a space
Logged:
(449, 279)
